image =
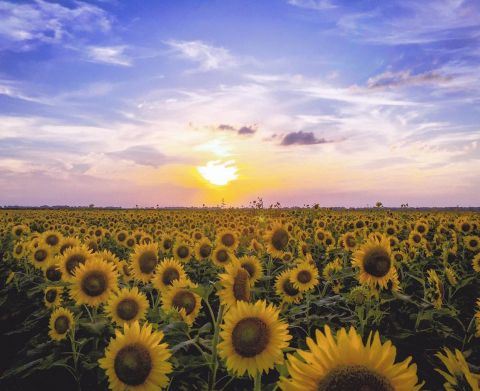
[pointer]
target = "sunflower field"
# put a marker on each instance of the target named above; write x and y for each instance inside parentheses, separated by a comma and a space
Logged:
(240, 299)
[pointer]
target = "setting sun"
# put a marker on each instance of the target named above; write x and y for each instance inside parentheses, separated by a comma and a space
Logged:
(218, 173)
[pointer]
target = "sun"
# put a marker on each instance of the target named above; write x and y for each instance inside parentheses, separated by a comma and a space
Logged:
(218, 173)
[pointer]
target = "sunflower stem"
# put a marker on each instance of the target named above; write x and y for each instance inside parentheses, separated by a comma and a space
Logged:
(214, 363)
(257, 382)
(88, 312)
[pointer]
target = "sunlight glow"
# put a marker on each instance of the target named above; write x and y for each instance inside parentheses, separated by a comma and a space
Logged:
(218, 173)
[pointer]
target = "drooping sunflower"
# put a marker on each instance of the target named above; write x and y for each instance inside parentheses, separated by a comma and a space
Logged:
(476, 263)
(137, 360)
(144, 260)
(52, 296)
(458, 375)
(61, 322)
(179, 297)
(253, 266)
(375, 261)
(93, 283)
(203, 249)
(127, 306)
(277, 240)
(434, 289)
(71, 259)
(285, 288)
(477, 319)
(222, 256)
(168, 271)
(343, 362)
(253, 337)
(227, 238)
(304, 276)
(235, 285)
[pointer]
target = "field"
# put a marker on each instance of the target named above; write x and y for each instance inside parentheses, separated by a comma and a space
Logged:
(240, 299)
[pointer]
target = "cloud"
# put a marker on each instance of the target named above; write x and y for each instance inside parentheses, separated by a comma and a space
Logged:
(302, 138)
(141, 154)
(247, 130)
(318, 5)
(108, 54)
(208, 57)
(242, 131)
(405, 78)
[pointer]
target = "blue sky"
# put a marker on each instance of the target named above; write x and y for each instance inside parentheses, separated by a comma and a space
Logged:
(300, 101)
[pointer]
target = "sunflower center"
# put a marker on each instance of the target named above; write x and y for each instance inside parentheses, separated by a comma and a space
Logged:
(377, 263)
(249, 268)
(391, 231)
(250, 337)
(53, 274)
(61, 324)
(94, 283)
(241, 287)
(121, 237)
(182, 251)
(185, 300)
(465, 227)
(52, 240)
(51, 295)
(205, 250)
(354, 378)
(147, 262)
(280, 239)
(304, 276)
(73, 261)
(473, 243)
(421, 229)
(18, 232)
(133, 364)
(127, 309)
(18, 249)
(350, 241)
(126, 270)
(40, 255)
(64, 247)
(130, 242)
(228, 240)
(289, 289)
(167, 244)
(417, 238)
(169, 275)
(222, 256)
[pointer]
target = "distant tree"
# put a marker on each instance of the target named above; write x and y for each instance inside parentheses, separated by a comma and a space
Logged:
(91, 206)
(378, 204)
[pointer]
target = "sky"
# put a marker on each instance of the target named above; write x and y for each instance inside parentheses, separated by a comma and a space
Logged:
(184, 103)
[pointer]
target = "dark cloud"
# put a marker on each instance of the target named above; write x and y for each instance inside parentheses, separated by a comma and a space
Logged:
(142, 154)
(302, 138)
(242, 131)
(406, 78)
(246, 130)
(225, 127)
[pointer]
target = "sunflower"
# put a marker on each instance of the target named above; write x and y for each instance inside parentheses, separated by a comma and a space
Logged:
(167, 271)
(180, 298)
(61, 322)
(415, 239)
(222, 256)
(127, 306)
(52, 239)
(304, 276)
(40, 255)
(71, 259)
(19, 250)
(285, 288)
(348, 241)
(477, 319)
(235, 285)
(277, 240)
(52, 296)
(130, 241)
(375, 261)
(67, 243)
(472, 243)
(253, 266)
(343, 362)
(256, 246)
(434, 289)
(136, 360)
(421, 227)
(228, 239)
(452, 277)
(182, 251)
(144, 260)
(166, 243)
(94, 281)
(19, 230)
(203, 249)
(476, 263)
(52, 271)
(253, 337)
(121, 236)
(458, 375)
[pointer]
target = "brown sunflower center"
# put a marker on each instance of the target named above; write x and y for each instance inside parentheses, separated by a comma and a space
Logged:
(473, 243)
(127, 309)
(130, 242)
(421, 229)
(465, 227)
(133, 364)
(183, 252)
(354, 378)
(51, 295)
(350, 241)
(241, 287)
(61, 324)
(73, 261)
(52, 240)
(391, 231)
(170, 274)
(94, 283)
(228, 240)
(377, 262)
(147, 262)
(320, 235)
(18, 249)
(205, 250)
(222, 256)
(280, 239)
(18, 232)
(40, 255)
(185, 300)
(289, 289)
(417, 238)
(250, 337)
(53, 274)
(304, 276)
(250, 268)
(121, 236)
(167, 244)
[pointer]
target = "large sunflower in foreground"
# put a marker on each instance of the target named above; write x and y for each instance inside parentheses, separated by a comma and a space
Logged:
(93, 283)
(136, 360)
(343, 362)
(375, 261)
(144, 261)
(168, 271)
(235, 284)
(61, 322)
(253, 338)
(458, 375)
(127, 306)
(277, 240)
(179, 297)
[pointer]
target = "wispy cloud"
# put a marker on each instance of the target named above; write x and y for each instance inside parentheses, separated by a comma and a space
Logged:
(302, 138)
(207, 56)
(141, 154)
(242, 130)
(318, 5)
(109, 55)
(405, 78)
